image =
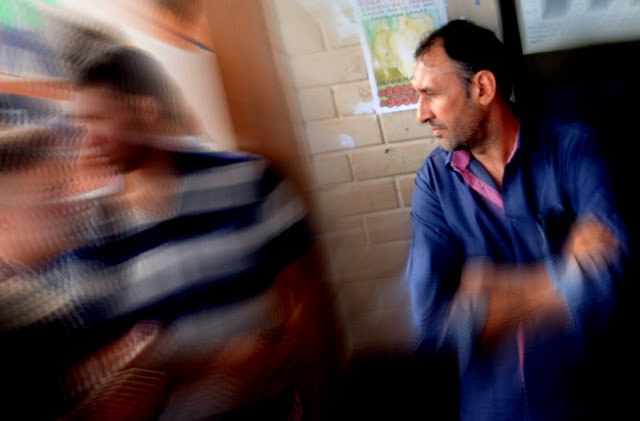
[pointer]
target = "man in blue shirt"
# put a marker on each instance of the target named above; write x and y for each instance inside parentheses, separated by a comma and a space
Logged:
(518, 251)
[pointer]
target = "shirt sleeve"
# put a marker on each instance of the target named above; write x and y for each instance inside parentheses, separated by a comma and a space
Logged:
(433, 272)
(591, 294)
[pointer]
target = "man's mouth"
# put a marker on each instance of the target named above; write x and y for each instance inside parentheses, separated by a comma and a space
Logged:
(95, 154)
(437, 130)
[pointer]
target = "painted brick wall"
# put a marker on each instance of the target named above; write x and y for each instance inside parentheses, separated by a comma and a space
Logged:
(363, 165)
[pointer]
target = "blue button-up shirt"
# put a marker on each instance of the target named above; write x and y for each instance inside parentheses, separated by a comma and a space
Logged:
(555, 175)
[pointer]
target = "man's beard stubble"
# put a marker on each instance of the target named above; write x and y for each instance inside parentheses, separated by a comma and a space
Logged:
(473, 132)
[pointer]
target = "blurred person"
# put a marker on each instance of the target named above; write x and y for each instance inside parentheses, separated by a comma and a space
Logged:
(193, 293)
(518, 252)
(41, 218)
(209, 250)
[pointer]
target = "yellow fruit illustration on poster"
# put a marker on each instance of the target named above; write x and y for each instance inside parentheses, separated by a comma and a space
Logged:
(393, 42)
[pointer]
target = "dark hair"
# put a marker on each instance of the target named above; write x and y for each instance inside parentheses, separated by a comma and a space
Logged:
(472, 48)
(130, 70)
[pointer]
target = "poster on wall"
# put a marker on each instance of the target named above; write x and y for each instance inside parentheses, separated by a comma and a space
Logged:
(389, 33)
(549, 25)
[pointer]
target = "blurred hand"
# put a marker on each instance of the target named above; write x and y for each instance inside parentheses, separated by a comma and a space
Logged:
(512, 293)
(591, 246)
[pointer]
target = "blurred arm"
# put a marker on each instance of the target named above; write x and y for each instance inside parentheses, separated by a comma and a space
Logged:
(516, 293)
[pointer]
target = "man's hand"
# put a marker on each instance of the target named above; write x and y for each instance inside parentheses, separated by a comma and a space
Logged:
(590, 245)
(513, 293)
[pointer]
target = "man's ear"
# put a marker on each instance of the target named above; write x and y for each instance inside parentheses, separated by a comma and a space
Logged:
(485, 86)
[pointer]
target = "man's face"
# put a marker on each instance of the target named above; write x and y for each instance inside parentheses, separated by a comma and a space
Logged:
(37, 217)
(443, 102)
(111, 122)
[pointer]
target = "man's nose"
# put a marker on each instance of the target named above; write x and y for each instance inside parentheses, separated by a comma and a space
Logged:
(423, 112)
(91, 136)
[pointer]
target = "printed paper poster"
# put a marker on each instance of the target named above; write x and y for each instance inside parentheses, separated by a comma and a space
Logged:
(389, 32)
(549, 25)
